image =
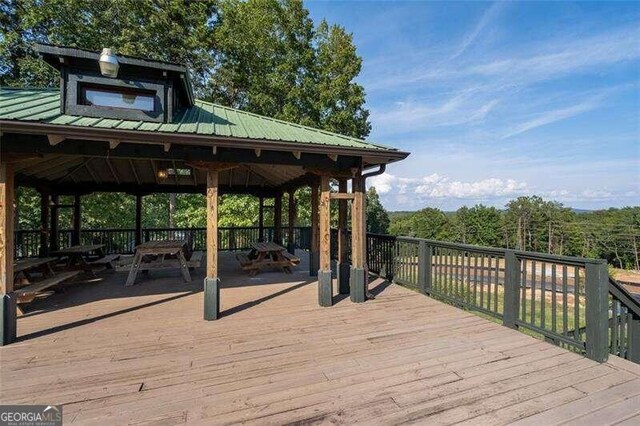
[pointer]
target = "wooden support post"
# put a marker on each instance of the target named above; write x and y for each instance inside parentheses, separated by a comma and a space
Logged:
(358, 278)
(211, 281)
(325, 284)
(261, 220)
(596, 289)
(44, 224)
(8, 302)
(343, 267)
(291, 245)
(315, 239)
(277, 219)
(77, 220)
(54, 238)
(138, 236)
(424, 267)
(512, 285)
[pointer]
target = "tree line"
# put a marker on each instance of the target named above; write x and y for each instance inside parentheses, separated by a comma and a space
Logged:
(533, 224)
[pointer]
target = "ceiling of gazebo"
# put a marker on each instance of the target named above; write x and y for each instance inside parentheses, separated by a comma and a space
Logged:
(66, 173)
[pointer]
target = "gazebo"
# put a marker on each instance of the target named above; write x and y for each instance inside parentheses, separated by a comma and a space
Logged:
(124, 124)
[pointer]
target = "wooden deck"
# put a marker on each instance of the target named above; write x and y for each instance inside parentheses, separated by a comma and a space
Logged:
(143, 354)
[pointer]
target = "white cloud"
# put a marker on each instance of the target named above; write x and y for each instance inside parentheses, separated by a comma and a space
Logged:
(437, 186)
(463, 107)
(552, 116)
(487, 17)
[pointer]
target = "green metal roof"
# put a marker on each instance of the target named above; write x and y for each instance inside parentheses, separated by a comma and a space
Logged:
(204, 118)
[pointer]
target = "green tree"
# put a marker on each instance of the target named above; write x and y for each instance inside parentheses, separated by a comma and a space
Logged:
(478, 225)
(171, 30)
(377, 217)
(340, 99)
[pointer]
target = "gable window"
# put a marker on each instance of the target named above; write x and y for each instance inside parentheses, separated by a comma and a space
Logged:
(116, 97)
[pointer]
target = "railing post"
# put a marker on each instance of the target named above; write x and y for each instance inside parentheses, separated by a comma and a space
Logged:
(511, 289)
(596, 289)
(424, 267)
(634, 339)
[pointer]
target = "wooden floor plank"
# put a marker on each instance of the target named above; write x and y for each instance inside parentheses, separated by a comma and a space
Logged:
(143, 355)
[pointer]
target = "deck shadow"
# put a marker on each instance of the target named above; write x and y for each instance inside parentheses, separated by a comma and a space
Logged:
(252, 303)
(62, 327)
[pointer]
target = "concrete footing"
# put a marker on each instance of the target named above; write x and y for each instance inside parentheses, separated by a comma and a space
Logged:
(211, 298)
(343, 273)
(8, 319)
(325, 288)
(358, 285)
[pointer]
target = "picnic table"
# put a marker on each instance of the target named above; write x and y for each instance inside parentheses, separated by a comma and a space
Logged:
(267, 255)
(34, 275)
(85, 257)
(154, 255)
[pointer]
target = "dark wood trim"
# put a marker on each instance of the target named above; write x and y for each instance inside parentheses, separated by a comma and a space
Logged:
(138, 236)
(77, 219)
(209, 141)
(277, 218)
(53, 227)
(261, 219)
(44, 224)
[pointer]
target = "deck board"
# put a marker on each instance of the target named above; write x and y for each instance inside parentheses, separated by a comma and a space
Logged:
(143, 354)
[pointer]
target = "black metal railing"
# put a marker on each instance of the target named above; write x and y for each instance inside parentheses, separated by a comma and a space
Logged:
(569, 301)
(122, 241)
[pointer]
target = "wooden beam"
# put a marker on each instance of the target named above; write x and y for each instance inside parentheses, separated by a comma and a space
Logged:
(166, 146)
(55, 139)
(113, 172)
(277, 219)
(135, 172)
(358, 225)
(214, 149)
(53, 227)
(342, 221)
(315, 239)
(113, 143)
(153, 167)
(341, 196)
(77, 221)
(75, 169)
(343, 267)
(212, 223)
(211, 165)
(329, 172)
(93, 175)
(297, 154)
(44, 224)
(7, 199)
(138, 236)
(333, 157)
(325, 224)
(258, 152)
(261, 219)
(291, 221)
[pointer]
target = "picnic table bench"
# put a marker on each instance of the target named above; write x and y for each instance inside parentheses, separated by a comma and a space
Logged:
(267, 255)
(154, 255)
(86, 257)
(27, 286)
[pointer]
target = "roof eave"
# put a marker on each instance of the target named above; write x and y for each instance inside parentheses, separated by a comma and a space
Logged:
(135, 136)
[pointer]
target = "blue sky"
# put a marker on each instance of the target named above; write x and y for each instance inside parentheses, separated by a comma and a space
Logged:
(497, 100)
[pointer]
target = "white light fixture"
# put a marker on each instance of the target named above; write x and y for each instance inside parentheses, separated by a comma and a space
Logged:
(108, 63)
